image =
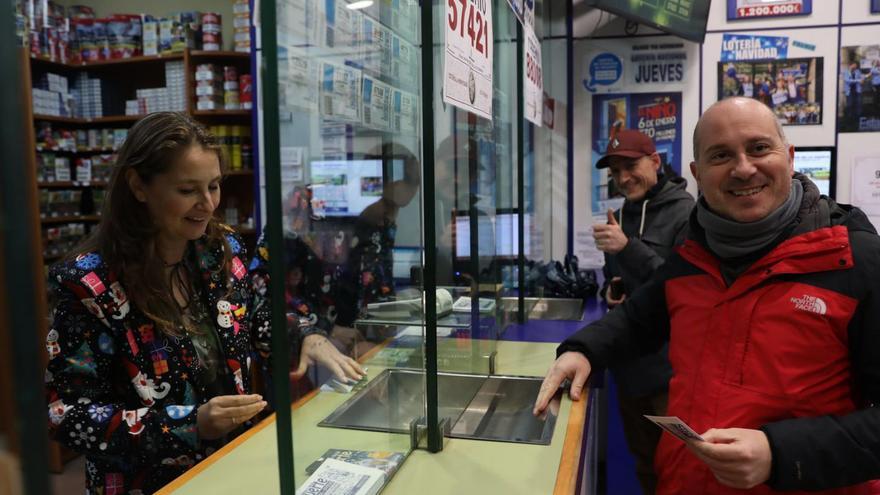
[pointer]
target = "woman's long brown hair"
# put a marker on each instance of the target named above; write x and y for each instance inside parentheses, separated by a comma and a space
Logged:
(126, 235)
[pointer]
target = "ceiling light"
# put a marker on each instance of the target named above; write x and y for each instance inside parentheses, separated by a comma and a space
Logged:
(360, 4)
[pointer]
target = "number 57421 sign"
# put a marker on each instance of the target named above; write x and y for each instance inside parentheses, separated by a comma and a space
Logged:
(467, 68)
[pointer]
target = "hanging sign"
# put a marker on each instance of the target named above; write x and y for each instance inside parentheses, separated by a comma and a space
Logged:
(467, 68)
(528, 17)
(517, 7)
(534, 79)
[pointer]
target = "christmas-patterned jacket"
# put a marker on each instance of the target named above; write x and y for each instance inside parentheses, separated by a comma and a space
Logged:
(325, 290)
(123, 393)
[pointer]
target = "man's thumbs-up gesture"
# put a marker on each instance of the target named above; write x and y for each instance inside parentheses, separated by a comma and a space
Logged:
(609, 237)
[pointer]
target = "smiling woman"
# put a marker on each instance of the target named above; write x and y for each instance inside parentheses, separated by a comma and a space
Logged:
(149, 350)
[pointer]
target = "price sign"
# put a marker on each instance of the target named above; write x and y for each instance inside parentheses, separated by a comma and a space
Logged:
(750, 9)
(534, 79)
(467, 68)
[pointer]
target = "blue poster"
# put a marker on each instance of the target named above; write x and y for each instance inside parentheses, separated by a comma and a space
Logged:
(748, 47)
(875, 6)
(658, 115)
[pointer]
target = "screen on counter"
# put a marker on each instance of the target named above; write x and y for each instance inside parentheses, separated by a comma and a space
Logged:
(343, 188)
(683, 18)
(818, 165)
(499, 235)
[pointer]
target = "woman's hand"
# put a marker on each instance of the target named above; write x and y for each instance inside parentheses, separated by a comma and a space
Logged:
(318, 349)
(224, 413)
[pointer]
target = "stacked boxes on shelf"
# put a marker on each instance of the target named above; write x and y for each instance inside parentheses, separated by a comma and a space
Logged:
(75, 34)
(88, 96)
(50, 138)
(230, 88)
(241, 26)
(45, 27)
(52, 167)
(51, 96)
(221, 88)
(171, 98)
(175, 81)
(212, 32)
(209, 87)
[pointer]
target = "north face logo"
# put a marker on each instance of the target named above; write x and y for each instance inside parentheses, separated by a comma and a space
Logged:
(811, 304)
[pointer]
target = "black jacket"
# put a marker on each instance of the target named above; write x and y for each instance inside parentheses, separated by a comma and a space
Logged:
(654, 227)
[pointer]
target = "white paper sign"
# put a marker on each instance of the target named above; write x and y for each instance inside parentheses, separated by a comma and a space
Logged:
(585, 246)
(376, 46)
(406, 113)
(528, 16)
(467, 67)
(376, 111)
(340, 92)
(404, 63)
(298, 82)
(534, 79)
(866, 187)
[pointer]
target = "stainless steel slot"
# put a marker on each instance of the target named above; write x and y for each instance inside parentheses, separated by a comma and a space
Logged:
(548, 308)
(479, 407)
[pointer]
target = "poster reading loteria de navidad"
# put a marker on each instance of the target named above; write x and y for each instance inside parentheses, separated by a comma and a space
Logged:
(467, 67)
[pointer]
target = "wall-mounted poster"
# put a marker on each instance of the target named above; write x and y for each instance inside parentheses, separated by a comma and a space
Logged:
(656, 114)
(858, 108)
(875, 6)
(752, 9)
(791, 87)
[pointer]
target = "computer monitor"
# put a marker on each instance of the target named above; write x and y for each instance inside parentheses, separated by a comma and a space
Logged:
(819, 164)
(343, 188)
(499, 235)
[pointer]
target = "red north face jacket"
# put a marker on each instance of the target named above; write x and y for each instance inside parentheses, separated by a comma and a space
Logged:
(791, 347)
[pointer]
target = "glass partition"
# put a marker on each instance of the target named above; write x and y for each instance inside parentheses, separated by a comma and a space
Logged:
(349, 125)
(404, 263)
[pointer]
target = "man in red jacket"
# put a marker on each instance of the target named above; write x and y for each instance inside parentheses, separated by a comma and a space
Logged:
(770, 309)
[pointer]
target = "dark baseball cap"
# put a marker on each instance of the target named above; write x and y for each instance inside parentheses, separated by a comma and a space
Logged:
(628, 143)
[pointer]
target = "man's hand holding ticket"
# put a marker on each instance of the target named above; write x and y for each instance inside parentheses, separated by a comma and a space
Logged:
(677, 427)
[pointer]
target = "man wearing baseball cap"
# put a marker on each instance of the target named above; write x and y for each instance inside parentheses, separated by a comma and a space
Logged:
(636, 241)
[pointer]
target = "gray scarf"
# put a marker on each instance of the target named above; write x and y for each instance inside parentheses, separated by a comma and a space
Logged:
(731, 239)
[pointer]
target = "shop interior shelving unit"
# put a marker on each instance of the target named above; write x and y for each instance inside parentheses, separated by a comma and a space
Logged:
(125, 76)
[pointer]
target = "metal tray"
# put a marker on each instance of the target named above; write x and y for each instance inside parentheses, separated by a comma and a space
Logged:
(478, 407)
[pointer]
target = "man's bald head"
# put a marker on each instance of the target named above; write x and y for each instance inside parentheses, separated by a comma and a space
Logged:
(727, 105)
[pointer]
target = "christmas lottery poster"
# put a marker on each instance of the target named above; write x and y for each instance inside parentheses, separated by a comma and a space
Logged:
(658, 115)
